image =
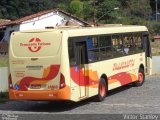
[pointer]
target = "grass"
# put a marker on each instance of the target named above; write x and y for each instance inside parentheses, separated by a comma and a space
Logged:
(4, 96)
(3, 61)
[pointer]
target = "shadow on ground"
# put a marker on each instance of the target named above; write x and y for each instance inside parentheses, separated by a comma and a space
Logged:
(53, 106)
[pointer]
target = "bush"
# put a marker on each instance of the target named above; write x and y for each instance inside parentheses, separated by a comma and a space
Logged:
(154, 27)
(4, 96)
(3, 62)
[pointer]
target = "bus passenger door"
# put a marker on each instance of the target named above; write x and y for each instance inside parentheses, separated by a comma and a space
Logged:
(81, 58)
(148, 55)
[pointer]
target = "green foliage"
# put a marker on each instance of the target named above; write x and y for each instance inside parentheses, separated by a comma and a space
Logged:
(88, 10)
(154, 27)
(13, 9)
(4, 96)
(107, 10)
(140, 8)
(40, 5)
(3, 62)
(63, 6)
(76, 8)
(130, 11)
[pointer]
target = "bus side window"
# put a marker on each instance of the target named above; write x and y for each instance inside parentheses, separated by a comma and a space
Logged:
(89, 43)
(93, 55)
(93, 48)
(139, 42)
(133, 42)
(72, 59)
(117, 42)
(127, 39)
(105, 47)
(99, 48)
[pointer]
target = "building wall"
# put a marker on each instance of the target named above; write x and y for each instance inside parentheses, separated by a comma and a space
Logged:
(155, 65)
(8, 31)
(48, 20)
(3, 79)
(51, 19)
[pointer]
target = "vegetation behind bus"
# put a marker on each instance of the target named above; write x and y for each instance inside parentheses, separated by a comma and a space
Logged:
(3, 60)
(139, 12)
(4, 96)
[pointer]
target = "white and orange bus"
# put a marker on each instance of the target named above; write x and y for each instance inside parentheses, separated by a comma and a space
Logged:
(77, 63)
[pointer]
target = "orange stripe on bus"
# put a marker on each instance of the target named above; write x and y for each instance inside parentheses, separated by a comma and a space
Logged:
(39, 82)
(61, 94)
(92, 74)
(112, 81)
(134, 77)
(46, 72)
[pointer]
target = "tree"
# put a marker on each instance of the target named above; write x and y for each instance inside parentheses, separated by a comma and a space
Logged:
(88, 10)
(140, 8)
(76, 8)
(13, 9)
(40, 5)
(106, 10)
(63, 6)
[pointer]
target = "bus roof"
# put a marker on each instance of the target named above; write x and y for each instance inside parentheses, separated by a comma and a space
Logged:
(84, 31)
(105, 30)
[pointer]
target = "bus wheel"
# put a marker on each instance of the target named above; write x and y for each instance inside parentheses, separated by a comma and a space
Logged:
(141, 78)
(102, 89)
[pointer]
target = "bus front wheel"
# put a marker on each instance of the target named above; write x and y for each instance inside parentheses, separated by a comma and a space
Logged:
(102, 89)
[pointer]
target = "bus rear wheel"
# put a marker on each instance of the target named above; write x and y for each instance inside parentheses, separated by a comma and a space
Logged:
(102, 90)
(141, 78)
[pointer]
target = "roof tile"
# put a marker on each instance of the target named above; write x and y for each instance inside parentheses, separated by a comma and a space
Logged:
(18, 21)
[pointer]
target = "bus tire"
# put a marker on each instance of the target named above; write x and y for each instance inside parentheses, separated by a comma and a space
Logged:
(102, 90)
(141, 78)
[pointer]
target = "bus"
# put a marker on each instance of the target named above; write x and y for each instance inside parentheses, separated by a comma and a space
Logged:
(76, 63)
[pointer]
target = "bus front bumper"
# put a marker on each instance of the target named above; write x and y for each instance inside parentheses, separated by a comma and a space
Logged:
(61, 94)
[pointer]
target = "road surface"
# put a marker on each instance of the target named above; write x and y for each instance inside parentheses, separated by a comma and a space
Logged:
(128, 100)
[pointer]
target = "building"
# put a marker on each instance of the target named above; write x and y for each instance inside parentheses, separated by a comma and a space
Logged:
(50, 18)
(2, 27)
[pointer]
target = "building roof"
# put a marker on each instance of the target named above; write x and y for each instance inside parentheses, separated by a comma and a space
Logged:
(157, 37)
(18, 21)
(2, 22)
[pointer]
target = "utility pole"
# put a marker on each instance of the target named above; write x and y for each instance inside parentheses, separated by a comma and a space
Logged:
(94, 12)
(156, 10)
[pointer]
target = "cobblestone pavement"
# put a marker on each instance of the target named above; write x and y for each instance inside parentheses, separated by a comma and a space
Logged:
(124, 100)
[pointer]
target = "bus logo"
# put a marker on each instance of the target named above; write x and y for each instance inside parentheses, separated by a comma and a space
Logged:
(35, 44)
(36, 47)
